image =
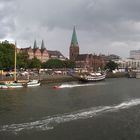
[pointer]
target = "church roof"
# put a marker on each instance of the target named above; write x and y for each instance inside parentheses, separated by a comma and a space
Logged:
(81, 57)
(57, 54)
(74, 41)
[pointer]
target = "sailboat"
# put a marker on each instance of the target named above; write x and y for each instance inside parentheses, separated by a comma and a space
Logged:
(15, 83)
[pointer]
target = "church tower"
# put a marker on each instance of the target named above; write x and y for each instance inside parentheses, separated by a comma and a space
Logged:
(42, 46)
(74, 47)
(35, 45)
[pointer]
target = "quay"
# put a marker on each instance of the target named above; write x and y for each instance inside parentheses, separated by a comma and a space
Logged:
(44, 78)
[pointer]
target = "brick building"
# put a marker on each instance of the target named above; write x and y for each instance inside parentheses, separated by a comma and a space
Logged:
(88, 62)
(41, 54)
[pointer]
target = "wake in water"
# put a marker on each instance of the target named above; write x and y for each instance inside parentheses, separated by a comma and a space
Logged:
(79, 85)
(51, 121)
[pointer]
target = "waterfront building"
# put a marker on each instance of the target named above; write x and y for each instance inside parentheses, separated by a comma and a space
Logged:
(44, 53)
(84, 61)
(129, 63)
(41, 54)
(37, 53)
(29, 51)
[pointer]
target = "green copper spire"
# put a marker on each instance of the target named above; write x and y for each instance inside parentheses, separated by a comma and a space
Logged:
(74, 41)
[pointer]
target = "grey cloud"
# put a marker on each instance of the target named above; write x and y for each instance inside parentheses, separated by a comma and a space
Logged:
(103, 22)
(7, 15)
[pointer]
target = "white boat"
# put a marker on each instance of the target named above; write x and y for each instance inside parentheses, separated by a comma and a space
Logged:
(91, 77)
(33, 83)
(10, 85)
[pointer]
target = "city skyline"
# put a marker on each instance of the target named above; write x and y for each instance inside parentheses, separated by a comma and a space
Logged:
(102, 26)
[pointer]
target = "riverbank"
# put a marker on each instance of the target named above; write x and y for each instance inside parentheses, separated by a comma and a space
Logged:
(63, 78)
(117, 75)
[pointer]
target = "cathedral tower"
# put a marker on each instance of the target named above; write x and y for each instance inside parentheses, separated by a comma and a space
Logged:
(74, 47)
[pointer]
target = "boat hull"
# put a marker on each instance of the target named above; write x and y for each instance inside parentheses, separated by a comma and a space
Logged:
(33, 85)
(11, 86)
(90, 78)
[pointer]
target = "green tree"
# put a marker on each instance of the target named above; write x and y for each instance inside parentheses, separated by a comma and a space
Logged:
(111, 65)
(7, 54)
(22, 60)
(69, 64)
(35, 63)
(54, 63)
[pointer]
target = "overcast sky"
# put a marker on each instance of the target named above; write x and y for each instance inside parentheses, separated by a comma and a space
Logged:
(102, 26)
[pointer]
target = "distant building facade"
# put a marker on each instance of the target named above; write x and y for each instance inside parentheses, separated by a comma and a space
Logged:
(129, 63)
(42, 54)
(29, 51)
(84, 61)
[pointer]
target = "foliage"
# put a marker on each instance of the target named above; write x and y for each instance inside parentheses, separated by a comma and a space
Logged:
(111, 65)
(35, 63)
(6, 55)
(56, 63)
(22, 60)
(69, 64)
(53, 63)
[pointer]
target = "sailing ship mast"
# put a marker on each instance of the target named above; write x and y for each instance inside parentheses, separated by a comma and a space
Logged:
(15, 62)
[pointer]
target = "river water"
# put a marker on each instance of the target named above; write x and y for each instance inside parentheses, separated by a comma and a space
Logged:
(107, 110)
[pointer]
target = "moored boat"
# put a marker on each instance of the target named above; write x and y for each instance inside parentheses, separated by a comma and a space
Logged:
(10, 85)
(90, 77)
(33, 83)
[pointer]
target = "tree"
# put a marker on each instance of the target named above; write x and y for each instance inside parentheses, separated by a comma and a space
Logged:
(69, 64)
(54, 63)
(22, 60)
(35, 63)
(7, 55)
(111, 65)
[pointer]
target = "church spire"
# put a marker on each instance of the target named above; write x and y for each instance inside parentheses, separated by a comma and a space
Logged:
(35, 45)
(74, 41)
(42, 45)
(74, 47)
